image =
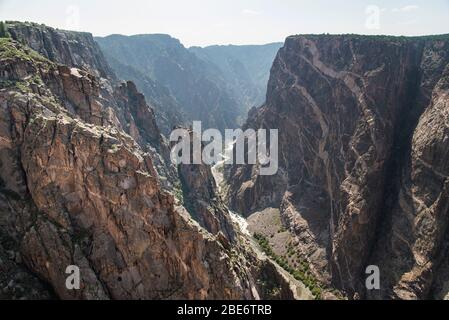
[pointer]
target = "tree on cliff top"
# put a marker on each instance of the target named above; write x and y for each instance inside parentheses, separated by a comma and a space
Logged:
(3, 32)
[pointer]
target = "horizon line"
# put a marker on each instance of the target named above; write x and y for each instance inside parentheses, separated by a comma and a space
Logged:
(231, 44)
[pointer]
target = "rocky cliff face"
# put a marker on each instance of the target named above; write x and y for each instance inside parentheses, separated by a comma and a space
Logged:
(202, 199)
(168, 112)
(77, 49)
(246, 69)
(197, 85)
(363, 160)
(216, 84)
(97, 92)
(81, 184)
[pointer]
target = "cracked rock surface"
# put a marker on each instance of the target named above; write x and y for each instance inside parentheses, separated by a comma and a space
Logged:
(363, 178)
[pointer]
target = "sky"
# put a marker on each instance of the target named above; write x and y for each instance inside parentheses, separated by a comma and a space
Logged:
(208, 22)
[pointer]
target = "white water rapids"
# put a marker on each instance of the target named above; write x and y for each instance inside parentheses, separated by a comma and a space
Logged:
(217, 172)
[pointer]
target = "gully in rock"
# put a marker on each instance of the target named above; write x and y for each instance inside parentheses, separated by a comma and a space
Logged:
(250, 144)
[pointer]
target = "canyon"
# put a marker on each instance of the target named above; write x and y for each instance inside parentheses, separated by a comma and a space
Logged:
(85, 182)
(86, 176)
(215, 85)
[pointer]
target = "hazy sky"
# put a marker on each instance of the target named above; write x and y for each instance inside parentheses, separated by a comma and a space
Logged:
(205, 22)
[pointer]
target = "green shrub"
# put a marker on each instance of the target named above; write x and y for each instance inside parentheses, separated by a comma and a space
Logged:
(3, 31)
(301, 274)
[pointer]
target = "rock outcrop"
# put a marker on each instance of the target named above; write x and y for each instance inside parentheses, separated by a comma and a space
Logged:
(90, 88)
(363, 160)
(168, 111)
(202, 199)
(75, 49)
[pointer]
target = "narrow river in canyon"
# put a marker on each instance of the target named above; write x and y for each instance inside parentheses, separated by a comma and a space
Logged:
(302, 293)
